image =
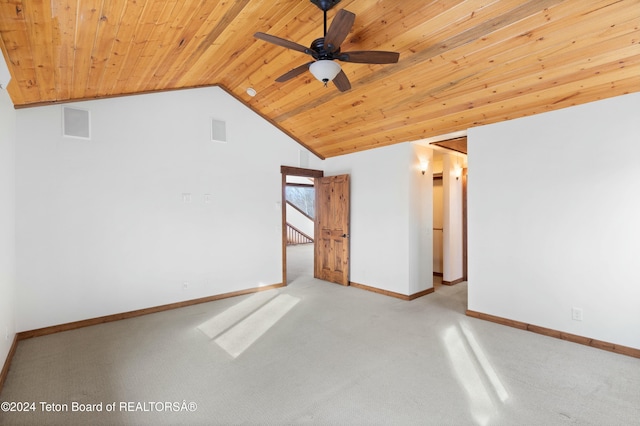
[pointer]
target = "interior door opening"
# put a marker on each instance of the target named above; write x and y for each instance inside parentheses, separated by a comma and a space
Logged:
(298, 222)
(319, 228)
(300, 202)
(449, 220)
(438, 229)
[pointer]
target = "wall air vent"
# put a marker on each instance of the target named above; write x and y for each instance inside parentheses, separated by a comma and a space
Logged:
(218, 130)
(76, 123)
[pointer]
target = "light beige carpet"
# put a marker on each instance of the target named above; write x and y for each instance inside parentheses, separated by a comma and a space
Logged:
(329, 355)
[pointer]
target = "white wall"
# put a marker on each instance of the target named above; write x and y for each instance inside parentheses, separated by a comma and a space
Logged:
(553, 212)
(420, 229)
(452, 249)
(298, 220)
(390, 226)
(7, 224)
(101, 224)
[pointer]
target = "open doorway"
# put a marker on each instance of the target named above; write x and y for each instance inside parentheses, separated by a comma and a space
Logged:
(438, 228)
(449, 218)
(298, 217)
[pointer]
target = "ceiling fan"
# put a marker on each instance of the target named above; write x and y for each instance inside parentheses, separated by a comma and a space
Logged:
(326, 50)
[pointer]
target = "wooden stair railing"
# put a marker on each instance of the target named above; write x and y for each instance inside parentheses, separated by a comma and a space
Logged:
(295, 236)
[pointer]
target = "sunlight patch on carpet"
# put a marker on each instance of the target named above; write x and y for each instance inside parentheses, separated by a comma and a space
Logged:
(236, 313)
(482, 359)
(468, 375)
(238, 338)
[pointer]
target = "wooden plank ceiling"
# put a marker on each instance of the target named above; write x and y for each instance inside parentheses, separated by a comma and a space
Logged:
(455, 144)
(462, 63)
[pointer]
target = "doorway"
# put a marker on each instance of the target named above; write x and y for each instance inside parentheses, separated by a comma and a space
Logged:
(330, 235)
(438, 229)
(449, 219)
(298, 214)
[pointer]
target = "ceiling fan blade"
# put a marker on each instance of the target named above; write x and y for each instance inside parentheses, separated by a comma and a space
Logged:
(342, 82)
(293, 73)
(339, 29)
(370, 57)
(281, 42)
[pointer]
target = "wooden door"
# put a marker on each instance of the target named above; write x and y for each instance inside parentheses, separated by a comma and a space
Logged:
(331, 260)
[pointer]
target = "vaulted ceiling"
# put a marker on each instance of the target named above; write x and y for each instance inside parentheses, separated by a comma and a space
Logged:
(462, 63)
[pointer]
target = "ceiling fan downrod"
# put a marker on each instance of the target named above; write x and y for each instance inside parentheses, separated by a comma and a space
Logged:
(325, 5)
(325, 24)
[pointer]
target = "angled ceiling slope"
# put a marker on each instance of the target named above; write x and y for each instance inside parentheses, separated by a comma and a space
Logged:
(462, 63)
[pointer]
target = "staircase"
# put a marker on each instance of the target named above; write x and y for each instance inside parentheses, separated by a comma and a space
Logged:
(299, 226)
(295, 236)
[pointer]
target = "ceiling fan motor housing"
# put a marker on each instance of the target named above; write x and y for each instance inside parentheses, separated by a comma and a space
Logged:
(325, 4)
(319, 52)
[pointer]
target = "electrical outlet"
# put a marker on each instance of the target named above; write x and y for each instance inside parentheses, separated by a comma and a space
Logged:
(185, 286)
(186, 197)
(576, 314)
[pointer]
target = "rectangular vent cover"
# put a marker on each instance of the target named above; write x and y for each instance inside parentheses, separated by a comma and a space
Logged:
(218, 130)
(76, 123)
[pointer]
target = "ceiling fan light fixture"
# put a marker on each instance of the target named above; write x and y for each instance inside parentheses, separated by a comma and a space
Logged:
(325, 70)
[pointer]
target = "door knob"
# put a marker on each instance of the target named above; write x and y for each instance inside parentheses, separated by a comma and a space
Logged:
(345, 235)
